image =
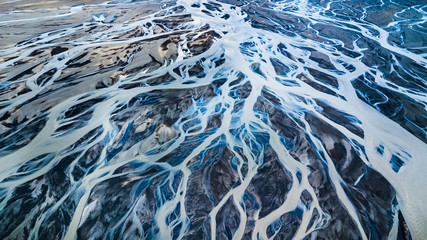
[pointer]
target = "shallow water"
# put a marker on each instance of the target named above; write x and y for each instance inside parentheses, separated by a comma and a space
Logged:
(213, 119)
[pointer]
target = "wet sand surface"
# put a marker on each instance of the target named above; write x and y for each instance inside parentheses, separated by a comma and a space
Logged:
(213, 119)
